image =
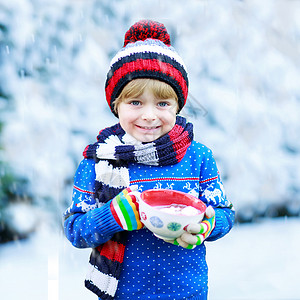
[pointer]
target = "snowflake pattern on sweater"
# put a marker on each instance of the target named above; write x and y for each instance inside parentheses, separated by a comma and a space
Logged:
(153, 269)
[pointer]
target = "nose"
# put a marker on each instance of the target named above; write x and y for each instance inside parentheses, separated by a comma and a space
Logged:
(148, 113)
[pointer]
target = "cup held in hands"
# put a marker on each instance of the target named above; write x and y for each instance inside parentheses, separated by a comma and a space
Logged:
(167, 212)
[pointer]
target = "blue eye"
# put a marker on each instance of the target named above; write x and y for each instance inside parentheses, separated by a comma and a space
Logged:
(163, 104)
(135, 102)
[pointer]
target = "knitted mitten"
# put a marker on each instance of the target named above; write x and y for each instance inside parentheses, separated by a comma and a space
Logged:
(197, 233)
(125, 210)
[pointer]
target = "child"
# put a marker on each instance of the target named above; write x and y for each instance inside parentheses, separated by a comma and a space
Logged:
(151, 147)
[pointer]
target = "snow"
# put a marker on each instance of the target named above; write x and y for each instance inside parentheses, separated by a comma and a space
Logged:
(243, 63)
(257, 261)
(243, 68)
(21, 218)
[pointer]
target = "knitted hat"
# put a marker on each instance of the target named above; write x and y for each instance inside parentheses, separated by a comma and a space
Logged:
(147, 53)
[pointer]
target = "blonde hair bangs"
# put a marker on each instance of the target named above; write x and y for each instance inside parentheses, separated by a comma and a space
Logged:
(136, 88)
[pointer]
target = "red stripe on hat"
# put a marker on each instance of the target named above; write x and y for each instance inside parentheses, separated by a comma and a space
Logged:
(113, 251)
(145, 65)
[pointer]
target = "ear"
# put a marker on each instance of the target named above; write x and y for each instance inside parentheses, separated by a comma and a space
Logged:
(115, 108)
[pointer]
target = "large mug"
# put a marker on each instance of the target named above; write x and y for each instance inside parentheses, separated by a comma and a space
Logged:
(167, 223)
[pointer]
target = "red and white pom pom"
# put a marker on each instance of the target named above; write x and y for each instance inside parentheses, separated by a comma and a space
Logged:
(147, 29)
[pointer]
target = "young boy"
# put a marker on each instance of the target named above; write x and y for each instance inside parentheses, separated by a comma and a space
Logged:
(151, 147)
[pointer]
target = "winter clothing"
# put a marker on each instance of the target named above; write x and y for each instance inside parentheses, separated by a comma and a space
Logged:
(113, 151)
(124, 208)
(90, 223)
(147, 53)
(196, 233)
(135, 264)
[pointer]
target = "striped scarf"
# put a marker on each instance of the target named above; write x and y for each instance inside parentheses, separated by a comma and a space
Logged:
(112, 152)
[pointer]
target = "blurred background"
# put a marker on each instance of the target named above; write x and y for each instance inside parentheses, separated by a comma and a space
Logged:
(243, 60)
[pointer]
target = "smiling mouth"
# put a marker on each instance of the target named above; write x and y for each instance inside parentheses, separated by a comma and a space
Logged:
(148, 127)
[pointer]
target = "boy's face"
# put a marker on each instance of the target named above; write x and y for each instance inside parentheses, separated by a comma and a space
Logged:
(147, 118)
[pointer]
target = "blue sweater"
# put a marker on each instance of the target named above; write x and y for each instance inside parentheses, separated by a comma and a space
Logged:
(152, 268)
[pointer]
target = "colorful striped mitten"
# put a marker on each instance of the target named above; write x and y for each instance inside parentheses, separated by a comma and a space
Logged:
(197, 233)
(125, 210)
